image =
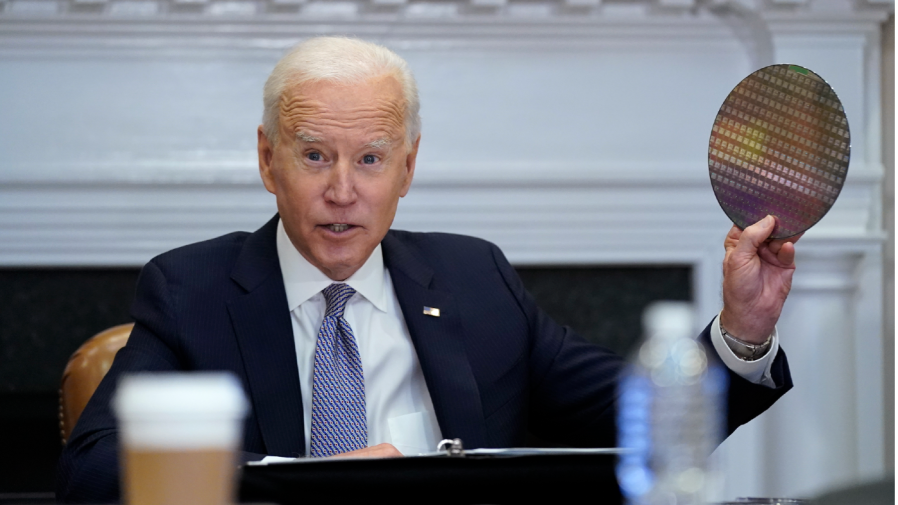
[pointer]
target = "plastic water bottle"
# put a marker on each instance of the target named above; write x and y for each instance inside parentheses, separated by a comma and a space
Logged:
(670, 413)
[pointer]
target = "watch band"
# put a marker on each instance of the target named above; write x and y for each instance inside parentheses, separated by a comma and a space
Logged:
(744, 350)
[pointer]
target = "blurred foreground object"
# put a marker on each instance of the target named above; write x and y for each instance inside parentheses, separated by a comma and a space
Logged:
(84, 371)
(766, 501)
(670, 413)
(179, 435)
(780, 146)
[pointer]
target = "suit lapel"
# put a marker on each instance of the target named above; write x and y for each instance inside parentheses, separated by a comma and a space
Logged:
(439, 343)
(261, 321)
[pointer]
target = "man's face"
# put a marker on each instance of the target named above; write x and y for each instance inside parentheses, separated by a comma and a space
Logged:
(339, 169)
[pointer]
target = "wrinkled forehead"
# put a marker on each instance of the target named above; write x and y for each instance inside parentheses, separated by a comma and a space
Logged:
(376, 105)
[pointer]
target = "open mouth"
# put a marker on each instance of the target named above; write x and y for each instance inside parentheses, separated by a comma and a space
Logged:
(338, 227)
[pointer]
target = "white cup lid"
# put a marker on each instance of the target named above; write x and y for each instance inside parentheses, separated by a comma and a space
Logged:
(169, 395)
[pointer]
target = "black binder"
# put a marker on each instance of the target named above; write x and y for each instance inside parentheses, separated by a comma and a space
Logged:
(493, 477)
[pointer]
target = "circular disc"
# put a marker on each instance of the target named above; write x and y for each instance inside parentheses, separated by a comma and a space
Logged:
(780, 145)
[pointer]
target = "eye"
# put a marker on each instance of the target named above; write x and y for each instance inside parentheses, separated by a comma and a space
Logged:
(369, 159)
(313, 156)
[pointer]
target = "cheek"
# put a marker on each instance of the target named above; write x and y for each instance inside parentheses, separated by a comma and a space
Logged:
(382, 197)
(299, 181)
(299, 197)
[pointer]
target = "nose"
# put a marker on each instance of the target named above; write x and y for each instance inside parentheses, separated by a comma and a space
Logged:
(341, 185)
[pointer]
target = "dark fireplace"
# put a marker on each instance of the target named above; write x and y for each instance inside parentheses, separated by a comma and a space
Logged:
(47, 313)
(605, 304)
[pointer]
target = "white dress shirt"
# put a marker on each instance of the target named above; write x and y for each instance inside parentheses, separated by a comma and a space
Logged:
(398, 404)
(757, 371)
(399, 408)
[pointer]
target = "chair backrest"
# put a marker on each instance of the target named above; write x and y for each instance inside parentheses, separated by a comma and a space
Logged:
(85, 370)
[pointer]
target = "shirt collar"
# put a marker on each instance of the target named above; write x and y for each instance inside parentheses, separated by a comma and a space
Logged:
(302, 280)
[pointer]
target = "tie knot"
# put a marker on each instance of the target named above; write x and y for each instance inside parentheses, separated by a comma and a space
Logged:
(336, 296)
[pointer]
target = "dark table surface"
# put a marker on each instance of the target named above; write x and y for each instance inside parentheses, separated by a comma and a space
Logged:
(520, 479)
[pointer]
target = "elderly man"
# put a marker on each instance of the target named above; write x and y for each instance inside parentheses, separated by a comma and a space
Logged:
(353, 338)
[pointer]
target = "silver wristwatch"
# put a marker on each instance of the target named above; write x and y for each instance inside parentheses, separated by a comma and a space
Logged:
(744, 350)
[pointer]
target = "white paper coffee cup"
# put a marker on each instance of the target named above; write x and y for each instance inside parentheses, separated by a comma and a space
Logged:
(179, 433)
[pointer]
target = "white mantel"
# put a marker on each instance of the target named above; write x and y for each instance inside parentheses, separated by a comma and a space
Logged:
(566, 131)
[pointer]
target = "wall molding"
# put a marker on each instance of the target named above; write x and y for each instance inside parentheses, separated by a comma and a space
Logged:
(233, 28)
(538, 212)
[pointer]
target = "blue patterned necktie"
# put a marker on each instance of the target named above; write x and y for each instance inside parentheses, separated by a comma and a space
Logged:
(339, 422)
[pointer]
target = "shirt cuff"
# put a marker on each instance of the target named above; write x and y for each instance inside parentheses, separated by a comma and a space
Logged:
(757, 371)
(276, 459)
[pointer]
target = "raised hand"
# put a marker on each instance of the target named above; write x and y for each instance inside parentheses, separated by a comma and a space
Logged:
(757, 277)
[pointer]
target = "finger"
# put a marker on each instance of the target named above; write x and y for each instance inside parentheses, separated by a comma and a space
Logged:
(786, 254)
(383, 450)
(732, 237)
(755, 235)
(735, 233)
(386, 450)
(776, 244)
(784, 258)
(769, 256)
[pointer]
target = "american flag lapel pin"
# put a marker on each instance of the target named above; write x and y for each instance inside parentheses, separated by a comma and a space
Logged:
(432, 311)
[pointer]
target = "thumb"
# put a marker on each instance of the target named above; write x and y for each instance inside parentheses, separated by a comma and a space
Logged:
(755, 235)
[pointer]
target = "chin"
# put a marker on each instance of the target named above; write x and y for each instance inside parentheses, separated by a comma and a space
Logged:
(336, 261)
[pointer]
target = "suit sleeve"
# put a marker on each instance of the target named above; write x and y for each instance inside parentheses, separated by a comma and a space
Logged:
(88, 466)
(573, 383)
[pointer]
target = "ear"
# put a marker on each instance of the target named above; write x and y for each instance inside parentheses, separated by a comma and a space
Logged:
(266, 154)
(410, 160)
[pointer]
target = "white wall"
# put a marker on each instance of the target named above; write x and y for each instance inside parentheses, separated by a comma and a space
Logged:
(888, 107)
(564, 133)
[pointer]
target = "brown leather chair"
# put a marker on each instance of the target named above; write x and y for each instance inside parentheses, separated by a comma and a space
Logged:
(83, 374)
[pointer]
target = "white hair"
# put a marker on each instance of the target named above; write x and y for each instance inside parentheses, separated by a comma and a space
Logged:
(343, 60)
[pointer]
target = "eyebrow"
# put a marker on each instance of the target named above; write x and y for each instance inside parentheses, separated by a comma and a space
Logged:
(305, 137)
(374, 144)
(379, 143)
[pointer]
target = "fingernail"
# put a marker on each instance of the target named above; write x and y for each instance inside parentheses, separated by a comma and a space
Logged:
(770, 219)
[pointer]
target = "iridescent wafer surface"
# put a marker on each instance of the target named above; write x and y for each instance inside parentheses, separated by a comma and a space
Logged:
(780, 145)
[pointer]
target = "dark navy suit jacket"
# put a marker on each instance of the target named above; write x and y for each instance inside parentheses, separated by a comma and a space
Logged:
(495, 365)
